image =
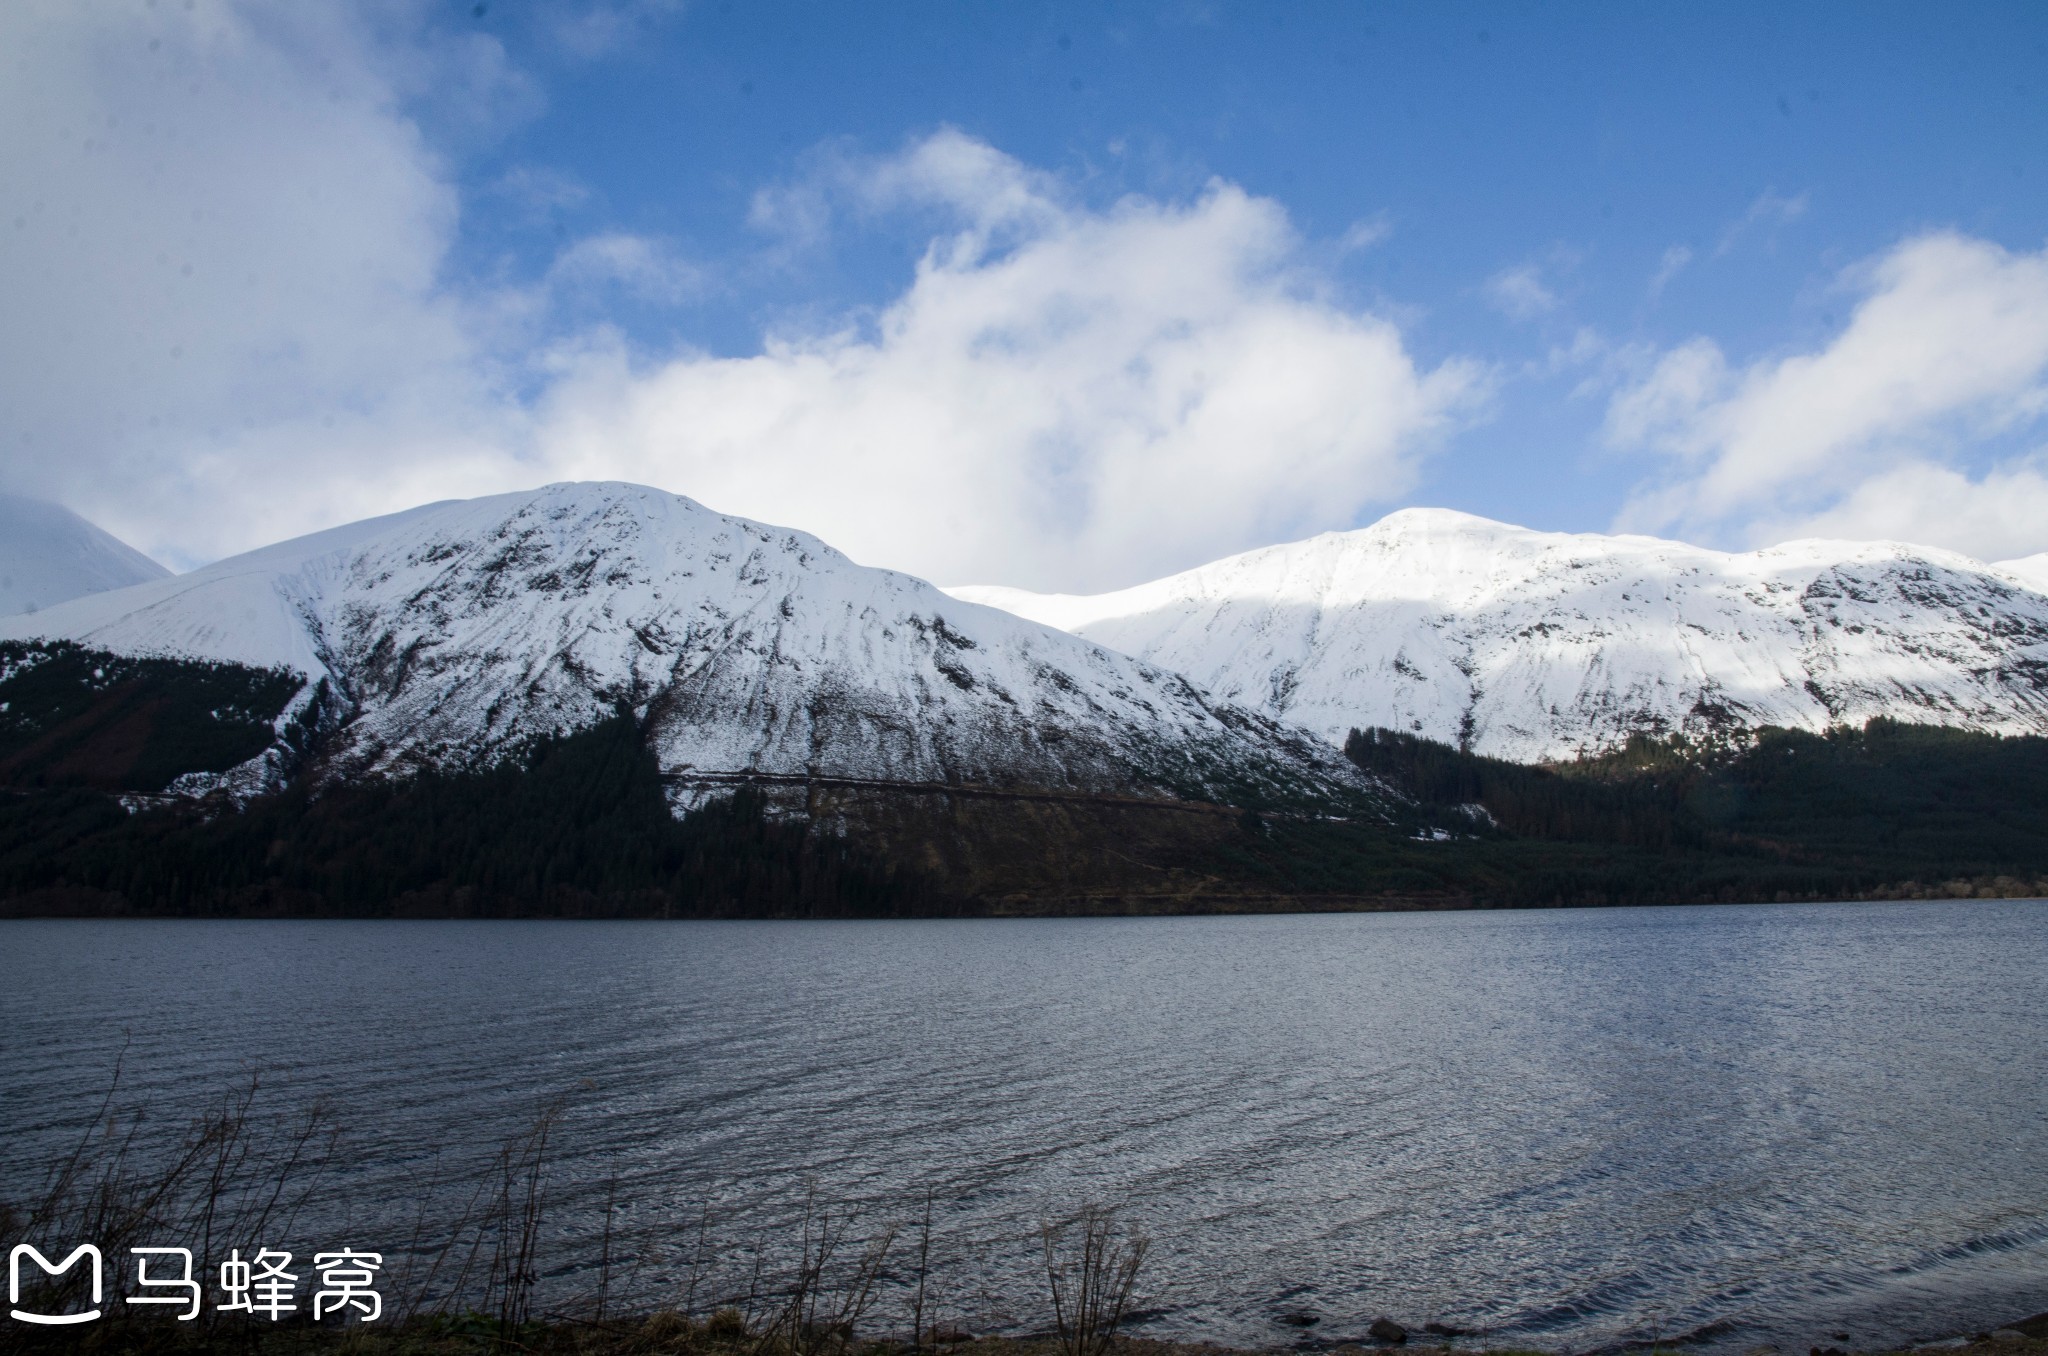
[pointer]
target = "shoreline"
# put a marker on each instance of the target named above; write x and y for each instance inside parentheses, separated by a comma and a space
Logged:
(666, 1331)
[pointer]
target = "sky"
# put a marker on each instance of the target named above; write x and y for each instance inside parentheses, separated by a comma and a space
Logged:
(1058, 296)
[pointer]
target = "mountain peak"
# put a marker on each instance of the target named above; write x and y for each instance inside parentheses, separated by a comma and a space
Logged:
(48, 555)
(1422, 518)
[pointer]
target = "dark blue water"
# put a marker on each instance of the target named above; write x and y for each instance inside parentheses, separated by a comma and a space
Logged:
(1566, 1129)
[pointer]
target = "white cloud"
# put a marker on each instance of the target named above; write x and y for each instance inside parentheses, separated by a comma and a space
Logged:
(1587, 349)
(1771, 209)
(1520, 292)
(646, 267)
(1681, 385)
(1997, 516)
(222, 248)
(982, 192)
(1670, 266)
(1064, 398)
(1363, 235)
(228, 320)
(798, 214)
(598, 28)
(990, 191)
(1948, 344)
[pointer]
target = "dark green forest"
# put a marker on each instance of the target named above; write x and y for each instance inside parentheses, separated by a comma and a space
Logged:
(1887, 809)
(71, 716)
(580, 826)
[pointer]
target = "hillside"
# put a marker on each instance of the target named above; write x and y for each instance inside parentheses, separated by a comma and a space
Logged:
(582, 824)
(1890, 809)
(366, 719)
(1531, 646)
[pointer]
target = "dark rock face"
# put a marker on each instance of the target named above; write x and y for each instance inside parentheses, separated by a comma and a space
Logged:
(1386, 1330)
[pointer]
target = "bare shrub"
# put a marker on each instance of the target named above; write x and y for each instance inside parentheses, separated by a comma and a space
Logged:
(503, 1225)
(1091, 1288)
(474, 1264)
(831, 1287)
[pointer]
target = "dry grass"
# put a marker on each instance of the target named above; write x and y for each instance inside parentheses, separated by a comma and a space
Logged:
(471, 1275)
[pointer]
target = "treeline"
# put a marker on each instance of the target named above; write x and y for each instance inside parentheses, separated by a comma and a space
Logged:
(1588, 804)
(579, 826)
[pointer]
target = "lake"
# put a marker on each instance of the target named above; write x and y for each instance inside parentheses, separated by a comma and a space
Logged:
(1567, 1129)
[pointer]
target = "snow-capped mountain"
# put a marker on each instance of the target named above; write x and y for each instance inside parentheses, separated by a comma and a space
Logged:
(49, 554)
(456, 631)
(1533, 645)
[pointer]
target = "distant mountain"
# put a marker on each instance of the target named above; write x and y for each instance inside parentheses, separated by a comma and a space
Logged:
(2029, 570)
(48, 555)
(454, 634)
(1533, 645)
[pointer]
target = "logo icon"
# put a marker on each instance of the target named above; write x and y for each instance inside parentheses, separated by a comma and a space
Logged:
(22, 1250)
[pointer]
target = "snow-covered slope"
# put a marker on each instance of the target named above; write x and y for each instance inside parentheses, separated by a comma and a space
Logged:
(455, 631)
(1534, 645)
(2029, 570)
(49, 554)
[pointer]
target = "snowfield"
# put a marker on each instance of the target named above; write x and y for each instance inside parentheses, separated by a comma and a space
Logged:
(48, 554)
(1535, 645)
(455, 632)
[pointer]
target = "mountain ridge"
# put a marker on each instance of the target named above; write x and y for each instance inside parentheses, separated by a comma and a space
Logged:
(1540, 646)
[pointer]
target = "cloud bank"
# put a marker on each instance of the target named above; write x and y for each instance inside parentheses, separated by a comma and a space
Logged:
(1946, 350)
(231, 319)
(232, 315)
(1062, 396)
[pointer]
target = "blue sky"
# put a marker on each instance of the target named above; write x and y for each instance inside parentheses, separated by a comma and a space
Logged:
(1726, 272)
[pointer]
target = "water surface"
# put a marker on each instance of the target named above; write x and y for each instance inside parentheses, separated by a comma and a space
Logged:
(1568, 1128)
